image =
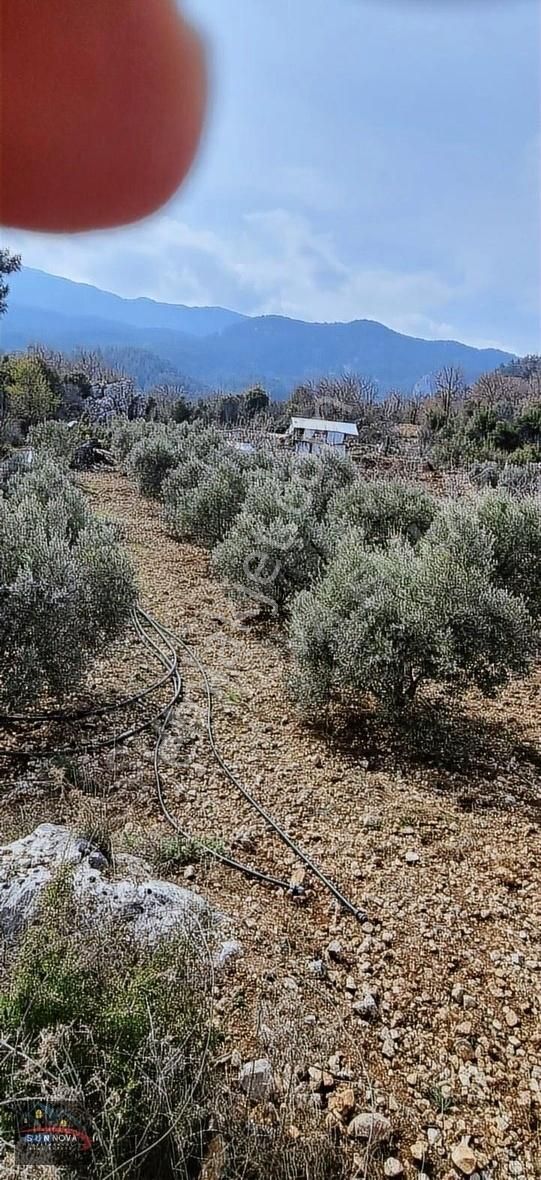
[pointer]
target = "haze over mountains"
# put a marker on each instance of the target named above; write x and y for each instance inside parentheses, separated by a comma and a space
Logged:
(210, 347)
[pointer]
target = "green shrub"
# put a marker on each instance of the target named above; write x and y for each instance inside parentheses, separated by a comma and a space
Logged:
(528, 454)
(59, 440)
(204, 508)
(31, 397)
(49, 487)
(381, 509)
(174, 852)
(125, 434)
(160, 448)
(152, 458)
(509, 532)
(271, 549)
(18, 462)
(182, 479)
(126, 1026)
(521, 479)
(515, 527)
(501, 432)
(324, 476)
(382, 622)
(66, 586)
(200, 442)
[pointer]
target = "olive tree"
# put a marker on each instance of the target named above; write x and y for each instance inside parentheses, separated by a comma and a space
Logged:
(66, 585)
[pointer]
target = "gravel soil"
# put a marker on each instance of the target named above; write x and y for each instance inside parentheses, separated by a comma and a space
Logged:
(434, 834)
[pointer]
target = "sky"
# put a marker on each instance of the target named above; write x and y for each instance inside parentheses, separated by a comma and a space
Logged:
(375, 159)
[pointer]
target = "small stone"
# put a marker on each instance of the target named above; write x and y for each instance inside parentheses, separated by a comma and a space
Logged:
(511, 1018)
(371, 822)
(246, 840)
(370, 1125)
(469, 1002)
(393, 1167)
(418, 1151)
(236, 1059)
(319, 1079)
(297, 878)
(334, 950)
(97, 860)
(256, 1078)
(342, 1103)
(351, 986)
(335, 1064)
(464, 1029)
(318, 968)
(515, 1168)
(388, 1048)
(457, 992)
(433, 1135)
(464, 1158)
(412, 858)
(189, 873)
(366, 1007)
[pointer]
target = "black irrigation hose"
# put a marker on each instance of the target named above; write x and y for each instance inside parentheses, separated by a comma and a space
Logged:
(172, 673)
(79, 714)
(117, 738)
(91, 711)
(228, 861)
(272, 823)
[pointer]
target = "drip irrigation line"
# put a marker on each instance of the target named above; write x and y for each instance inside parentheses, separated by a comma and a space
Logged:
(171, 674)
(114, 739)
(344, 901)
(91, 711)
(228, 861)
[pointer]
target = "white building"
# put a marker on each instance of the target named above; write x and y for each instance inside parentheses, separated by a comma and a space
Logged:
(311, 436)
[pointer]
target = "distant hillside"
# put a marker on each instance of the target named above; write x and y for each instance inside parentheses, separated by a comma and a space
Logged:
(37, 289)
(215, 347)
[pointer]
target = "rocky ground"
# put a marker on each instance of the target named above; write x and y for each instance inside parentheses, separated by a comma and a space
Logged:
(427, 1012)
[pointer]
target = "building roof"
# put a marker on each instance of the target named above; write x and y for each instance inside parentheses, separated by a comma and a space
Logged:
(323, 424)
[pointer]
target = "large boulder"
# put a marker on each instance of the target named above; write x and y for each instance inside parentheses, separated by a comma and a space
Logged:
(110, 398)
(153, 908)
(89, 455)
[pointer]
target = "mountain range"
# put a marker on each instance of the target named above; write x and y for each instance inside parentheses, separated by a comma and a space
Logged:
(213, 347)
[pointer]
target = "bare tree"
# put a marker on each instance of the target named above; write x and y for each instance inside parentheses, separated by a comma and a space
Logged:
(391, 405)
(491, 388)
(348, 396)
(449, 387)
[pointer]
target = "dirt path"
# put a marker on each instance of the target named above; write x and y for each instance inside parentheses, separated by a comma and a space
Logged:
(446, 864)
